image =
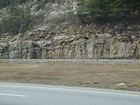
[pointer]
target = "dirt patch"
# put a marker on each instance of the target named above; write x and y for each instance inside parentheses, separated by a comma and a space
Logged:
(83, 74)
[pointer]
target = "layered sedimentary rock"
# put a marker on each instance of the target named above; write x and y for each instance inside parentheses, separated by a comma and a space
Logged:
(72, 47)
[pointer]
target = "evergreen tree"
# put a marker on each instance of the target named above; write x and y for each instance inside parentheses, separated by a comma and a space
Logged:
(108, 9)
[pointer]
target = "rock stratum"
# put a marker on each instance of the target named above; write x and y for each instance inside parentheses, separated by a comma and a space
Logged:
(58, 36)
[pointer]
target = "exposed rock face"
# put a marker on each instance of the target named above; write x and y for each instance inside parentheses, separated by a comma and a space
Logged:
(71, 47)
(58, 37)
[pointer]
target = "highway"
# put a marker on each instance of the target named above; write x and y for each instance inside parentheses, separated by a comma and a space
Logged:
(34, 94)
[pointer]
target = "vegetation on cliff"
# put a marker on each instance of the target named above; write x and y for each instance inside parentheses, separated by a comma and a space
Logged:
(4, 3)
(104, 10)
(20, 19)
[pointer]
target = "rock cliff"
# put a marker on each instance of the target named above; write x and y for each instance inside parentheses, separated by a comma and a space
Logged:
(59, 36)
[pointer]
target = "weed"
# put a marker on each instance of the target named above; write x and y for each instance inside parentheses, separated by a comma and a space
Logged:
(1, 62)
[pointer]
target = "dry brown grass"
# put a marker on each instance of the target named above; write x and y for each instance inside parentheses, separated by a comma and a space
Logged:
(74, 74)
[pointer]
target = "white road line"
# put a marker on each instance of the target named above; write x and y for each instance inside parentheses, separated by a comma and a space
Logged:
(13, 95)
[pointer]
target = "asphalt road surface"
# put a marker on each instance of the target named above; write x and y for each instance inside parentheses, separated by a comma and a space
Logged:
(31, 94)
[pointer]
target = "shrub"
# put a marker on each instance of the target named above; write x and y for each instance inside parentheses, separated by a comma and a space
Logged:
(19, 21)
(41, 3)
(21, 1)
(105, 10)
(4, 3)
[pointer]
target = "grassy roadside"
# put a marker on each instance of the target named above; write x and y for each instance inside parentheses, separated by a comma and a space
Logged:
(112, 76)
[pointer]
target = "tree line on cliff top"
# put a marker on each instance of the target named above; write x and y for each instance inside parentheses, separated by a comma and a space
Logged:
(104, 10)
